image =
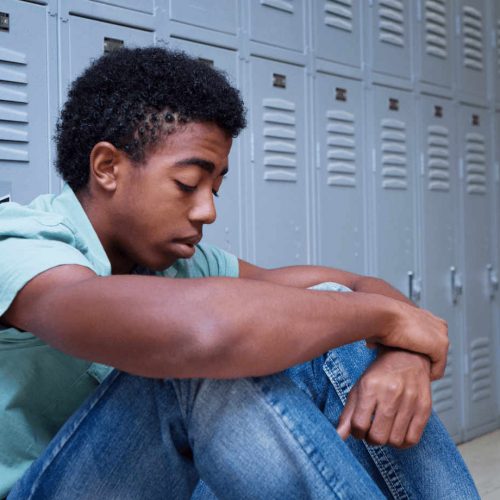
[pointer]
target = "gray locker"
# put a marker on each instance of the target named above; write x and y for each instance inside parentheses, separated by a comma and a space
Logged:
(441, 278)
(337, 31)
(24, 98)
(221, 15)
(278, 22)
(146, 6)
(472, 63)
(89, 39)
(227, 231)
(496, 52)
(475, 143)
(340, 179)
(436, 32)
(390, 43)
(393, 126)
(279, 176)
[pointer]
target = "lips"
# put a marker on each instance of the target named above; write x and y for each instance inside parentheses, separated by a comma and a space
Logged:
(190, 240)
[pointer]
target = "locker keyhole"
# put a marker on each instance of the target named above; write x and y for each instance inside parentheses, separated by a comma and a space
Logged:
(340, 94)
(438, 111)
(111, 44)
(475, 120)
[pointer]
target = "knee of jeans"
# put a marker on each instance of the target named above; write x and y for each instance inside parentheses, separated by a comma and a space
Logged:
(330, 286)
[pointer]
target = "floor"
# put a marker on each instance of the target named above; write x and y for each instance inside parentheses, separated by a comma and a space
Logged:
(482, 455)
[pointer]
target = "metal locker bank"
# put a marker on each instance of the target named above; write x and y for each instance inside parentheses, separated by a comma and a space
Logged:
(373, 143)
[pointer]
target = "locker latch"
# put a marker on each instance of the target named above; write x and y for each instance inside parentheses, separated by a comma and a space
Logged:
(492, 280)
(111, 44)
(456, 285)
(4, 21)
(279, 81)
(475, 121)
(5, 199)
(438, 111)
(208, 62)
(414, 287)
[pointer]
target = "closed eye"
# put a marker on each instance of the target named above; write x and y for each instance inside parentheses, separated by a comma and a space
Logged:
(186, 188)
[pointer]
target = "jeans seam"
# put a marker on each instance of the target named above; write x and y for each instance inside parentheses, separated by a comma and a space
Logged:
(91, 404)
(388, 470)
(336, 488)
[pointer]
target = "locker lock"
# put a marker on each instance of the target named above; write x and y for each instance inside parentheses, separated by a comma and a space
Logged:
(111, 44)
(394, 104)
(414, 287)
(279, 81)
(475, 121)
(4, 21)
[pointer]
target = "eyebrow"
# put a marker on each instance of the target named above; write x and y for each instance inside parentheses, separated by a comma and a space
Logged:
(206, 165)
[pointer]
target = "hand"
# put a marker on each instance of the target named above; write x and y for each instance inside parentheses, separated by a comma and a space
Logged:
(391, 403)
(416, 330)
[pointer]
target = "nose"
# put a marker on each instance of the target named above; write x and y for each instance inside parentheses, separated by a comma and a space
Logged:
(203, 211)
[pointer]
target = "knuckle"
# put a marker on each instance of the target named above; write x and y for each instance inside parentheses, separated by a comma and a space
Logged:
(377, 439)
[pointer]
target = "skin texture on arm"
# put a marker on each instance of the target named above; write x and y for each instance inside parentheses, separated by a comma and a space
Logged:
(391, 403)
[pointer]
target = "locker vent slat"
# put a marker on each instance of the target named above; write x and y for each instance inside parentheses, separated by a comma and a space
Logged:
(284, 5)
(338, 14)
(280, 140)
(436, 28)
(394, 154)
(481, 370)
(442, 390)
(14, 99)
(391, 22)
(341, 148)
(472, 35)
(475, 161)
(438, 158)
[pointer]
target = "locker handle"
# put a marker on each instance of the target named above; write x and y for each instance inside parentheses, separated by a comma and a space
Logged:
(456, 285)
(414, 288)
(4, 21)
(493, 283)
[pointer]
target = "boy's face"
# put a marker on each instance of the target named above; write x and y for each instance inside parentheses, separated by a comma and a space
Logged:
(159, 208)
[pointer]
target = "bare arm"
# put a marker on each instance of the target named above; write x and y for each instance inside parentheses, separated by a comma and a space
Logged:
(213, 327)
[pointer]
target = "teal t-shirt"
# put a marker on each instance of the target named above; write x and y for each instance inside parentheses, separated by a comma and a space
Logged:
(40, 387)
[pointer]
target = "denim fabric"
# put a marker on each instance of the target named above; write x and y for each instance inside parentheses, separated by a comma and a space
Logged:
(268, 437)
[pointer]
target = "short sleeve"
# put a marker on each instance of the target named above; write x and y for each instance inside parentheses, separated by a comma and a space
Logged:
(208, 261)
(30, 246)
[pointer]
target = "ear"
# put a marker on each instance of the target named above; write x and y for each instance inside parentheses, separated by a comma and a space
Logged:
(105, 160)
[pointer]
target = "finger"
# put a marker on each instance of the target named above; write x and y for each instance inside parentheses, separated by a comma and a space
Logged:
(344, 425)
(383, 420)
(416, 428)
(401, 423)
(362, 417)
(371, 345)
(437, 368)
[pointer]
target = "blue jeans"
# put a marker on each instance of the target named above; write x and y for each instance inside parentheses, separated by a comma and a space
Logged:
(268, 437)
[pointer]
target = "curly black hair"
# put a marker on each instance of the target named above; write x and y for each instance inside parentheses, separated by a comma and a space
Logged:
(133, 98)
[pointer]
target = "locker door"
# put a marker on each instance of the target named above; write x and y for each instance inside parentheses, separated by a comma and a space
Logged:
(89, 39)
(437, 43)
(476, 188)
(394, 131)
(279, 164)
(278, 22)
(339, 117)
(221, 15)
(391, 50)
(472, 67)
(439, 189)
(337, 31)
(226, 232)
(24, 135)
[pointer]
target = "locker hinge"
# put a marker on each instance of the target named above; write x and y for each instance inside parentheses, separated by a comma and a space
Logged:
(457, 24)
(497, 171)
(466, 364)
(493, 39)
(419, 10)
(422, 164)
(374, 160)
(461, 168)
(318, 155)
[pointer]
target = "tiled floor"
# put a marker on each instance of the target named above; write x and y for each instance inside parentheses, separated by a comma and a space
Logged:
(482, 455)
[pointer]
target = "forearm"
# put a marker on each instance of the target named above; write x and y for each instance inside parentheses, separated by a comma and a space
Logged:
(214, 327)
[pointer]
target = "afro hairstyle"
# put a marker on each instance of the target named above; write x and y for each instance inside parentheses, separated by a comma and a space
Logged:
(133, 98)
